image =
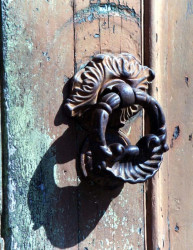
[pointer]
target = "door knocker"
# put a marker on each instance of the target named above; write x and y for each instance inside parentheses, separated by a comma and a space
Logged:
(104, 95)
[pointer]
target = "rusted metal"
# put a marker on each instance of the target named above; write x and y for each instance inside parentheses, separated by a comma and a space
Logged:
(106, 93)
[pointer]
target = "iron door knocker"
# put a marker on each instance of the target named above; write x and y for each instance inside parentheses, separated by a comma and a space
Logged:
(104, 95)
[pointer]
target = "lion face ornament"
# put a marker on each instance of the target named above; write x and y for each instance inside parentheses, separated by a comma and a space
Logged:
(104, 96)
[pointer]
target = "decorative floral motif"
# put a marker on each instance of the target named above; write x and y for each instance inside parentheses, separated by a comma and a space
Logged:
(89, 83)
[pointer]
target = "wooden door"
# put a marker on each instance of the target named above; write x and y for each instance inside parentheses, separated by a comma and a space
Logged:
(169, 197)
(45, 204)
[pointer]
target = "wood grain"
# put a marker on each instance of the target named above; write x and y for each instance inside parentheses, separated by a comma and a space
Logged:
(171, 200)
(40, 211)
(45, 205)
(118, 222)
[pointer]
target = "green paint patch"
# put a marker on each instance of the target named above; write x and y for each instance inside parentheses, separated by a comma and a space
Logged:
(25, 144)
(26, 147)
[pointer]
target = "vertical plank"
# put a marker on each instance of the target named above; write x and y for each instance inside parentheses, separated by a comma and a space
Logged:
(110, 219)
(125, 35)
(40, 208)
(155, 56)
(171, 58)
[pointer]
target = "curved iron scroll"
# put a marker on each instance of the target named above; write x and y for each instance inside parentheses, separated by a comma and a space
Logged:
(104, 95)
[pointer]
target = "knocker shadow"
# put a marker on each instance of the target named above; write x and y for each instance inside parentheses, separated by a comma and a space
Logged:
(68, 214)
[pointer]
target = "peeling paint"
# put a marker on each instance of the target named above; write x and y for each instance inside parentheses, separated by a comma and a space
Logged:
(25, 145)
(94, 11)
(177, 228)
(175, 135)
(187, 81)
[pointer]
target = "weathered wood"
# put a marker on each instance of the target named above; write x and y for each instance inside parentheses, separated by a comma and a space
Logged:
(107, 223)
(170, 206)
(46, 206)
(40, 212)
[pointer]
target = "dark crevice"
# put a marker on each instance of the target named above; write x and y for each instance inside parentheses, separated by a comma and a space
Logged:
(74, 30)
(149, 185)
(5, 230)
